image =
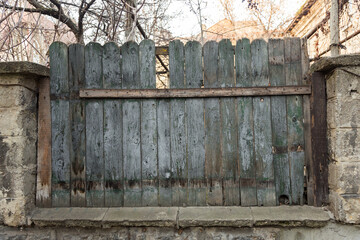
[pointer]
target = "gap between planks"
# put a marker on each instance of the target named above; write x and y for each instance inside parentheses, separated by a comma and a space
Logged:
(195, 92)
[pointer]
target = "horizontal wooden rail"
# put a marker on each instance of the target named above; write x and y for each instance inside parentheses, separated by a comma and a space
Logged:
(195, 92)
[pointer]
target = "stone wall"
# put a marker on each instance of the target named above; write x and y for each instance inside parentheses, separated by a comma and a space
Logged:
(18, 136)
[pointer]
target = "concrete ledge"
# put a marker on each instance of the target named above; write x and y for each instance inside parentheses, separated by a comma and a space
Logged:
(327, 64)
(24, 68)
(182, 217)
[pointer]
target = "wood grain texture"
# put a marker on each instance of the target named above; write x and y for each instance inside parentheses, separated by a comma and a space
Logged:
(178, 125)
(319, 161)
(195, 127)
(213, 160)
(196, 92)
(245, 125)
(77, 119)
(164, 152)
(228, 135)
(43, 177)
(94, 114)
(149, 146)
(295, 119)
(307, 124)
(262, 127)
(279, 123)
(112, 76)
(131, 127)
(60, 127)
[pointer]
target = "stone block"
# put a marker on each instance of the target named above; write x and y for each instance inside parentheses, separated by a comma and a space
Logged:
(343, 113)
(146, 216)
(345, 177)
(29, 82)
(18, 122)
(344, 83)
(215, 216)
(344, 144)
(346, 207)
(17, 178)
(17, 96)
(17, 152)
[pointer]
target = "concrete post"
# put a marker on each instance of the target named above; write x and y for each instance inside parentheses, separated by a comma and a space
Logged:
(18, 138)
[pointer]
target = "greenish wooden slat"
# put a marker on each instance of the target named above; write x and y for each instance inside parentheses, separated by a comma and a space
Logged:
(77, 113)
(164, 152)
(266, 195)
(60, 125)
(114, 192)
(149, 136)
(195, 127)
(279, 124)
(94, 114)
(245, 125)
(177, 125)
(230, 166)
(131, 126)
(213, 161)
(295, 119)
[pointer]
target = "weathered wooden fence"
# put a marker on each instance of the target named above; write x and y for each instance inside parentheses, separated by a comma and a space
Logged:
(229, 131)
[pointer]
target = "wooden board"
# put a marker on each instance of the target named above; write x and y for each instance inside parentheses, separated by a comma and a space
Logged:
(112, 75)
(77, 119)
(94, 114)
(262, 127)
(178, 125)
(195, 127)
(149, 146)
(164, 152)
(43, 177)
(294, 106)
(319, 160)
(279, 123)
(245, 125)
(307, 124)
(195, 92)
(213, 161)
(60, 127)
(228, 134)
(131, 127)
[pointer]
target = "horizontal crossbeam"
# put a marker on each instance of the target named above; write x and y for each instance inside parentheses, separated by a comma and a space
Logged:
(195, 92)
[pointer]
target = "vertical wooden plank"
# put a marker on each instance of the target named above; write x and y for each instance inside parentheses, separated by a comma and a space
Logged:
(195, 130)
(77, 113)
(279, 123)
(94, 113)
(178, 125)
(228, 135)
(319, 160)
(293, 69)
(112, 73)
(60, 125)
(131, 126)
(43, 182)
(213, 163)
(307, 124)
(245, 125)
(262, 127)
(149, 137)
(164, 152)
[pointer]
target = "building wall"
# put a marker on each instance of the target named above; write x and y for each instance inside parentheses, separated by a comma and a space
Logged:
(319, 41)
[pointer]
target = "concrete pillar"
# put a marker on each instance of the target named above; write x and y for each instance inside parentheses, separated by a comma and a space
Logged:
(18, 139)
(343, 122)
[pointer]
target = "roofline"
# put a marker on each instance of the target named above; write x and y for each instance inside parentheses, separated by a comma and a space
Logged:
(303, 11)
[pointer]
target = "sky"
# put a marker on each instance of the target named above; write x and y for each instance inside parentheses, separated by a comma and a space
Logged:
(186, 21)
